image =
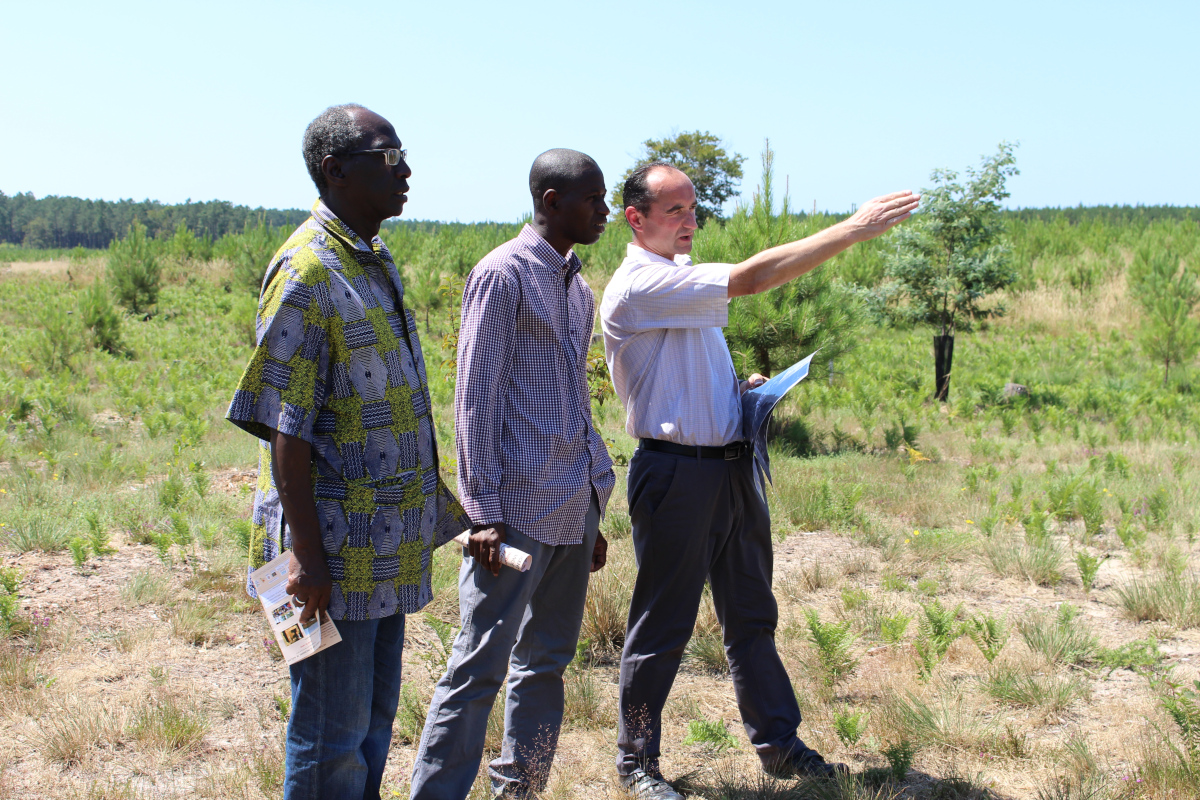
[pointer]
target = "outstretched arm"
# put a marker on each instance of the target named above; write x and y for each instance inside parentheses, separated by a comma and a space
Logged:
(778, 265)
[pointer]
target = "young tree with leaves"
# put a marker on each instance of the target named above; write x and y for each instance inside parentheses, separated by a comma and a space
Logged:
(951, 258)
(701, 156)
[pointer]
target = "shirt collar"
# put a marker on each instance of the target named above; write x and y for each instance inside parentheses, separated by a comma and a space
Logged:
(547, 255)
(644, 256)
(328, 220)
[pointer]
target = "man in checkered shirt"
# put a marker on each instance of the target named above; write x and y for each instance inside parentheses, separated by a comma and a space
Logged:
(692, 498)
(532, 473)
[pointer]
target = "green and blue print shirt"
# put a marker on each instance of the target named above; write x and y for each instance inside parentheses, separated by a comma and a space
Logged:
(338, 364)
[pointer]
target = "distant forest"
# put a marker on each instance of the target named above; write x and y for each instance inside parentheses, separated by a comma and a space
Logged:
(72, 222)
(61, 222)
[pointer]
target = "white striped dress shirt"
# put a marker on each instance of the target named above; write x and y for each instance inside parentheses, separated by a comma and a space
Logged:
(669, 362)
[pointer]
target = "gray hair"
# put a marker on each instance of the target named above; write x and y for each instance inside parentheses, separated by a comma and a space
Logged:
(333, 133)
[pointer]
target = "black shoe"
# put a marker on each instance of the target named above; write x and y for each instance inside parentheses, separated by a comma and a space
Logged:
(804, 762)
(644, 786)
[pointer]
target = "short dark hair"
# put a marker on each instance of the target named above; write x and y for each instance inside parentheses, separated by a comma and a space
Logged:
(555, 169)
(635, 192)
(333, 133)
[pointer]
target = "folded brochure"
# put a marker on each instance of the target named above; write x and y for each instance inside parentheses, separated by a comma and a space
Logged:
(296, 641)
(757, 405)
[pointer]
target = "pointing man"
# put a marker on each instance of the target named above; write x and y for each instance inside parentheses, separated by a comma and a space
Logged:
(696, 514)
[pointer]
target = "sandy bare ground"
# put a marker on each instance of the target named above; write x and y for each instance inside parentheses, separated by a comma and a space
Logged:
(57, 267)
(107, 655)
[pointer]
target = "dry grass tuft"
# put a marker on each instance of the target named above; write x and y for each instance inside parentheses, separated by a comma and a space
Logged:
(167, 724)
(71, 733)
(194, 623)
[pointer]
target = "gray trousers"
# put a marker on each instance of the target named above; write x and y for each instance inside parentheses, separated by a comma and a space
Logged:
(695, 519)
(525, 624)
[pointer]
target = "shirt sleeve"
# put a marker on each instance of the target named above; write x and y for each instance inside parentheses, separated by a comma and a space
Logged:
(284, 385)
(672, 296)
(486, 340)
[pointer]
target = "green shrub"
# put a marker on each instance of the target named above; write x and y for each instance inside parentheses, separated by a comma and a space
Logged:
(134, 271)
(250, 253)
(850, 725)
(1088, 566)
(900, 757)
(834, 642)
(60, 338)
(10, 601)
(1140, 653)
(1089, 508)
(989, 635)
(937, 629)
(101, 319)
(168, 725)
(410, 714)
(893, 628)
(98, 536)
(713, 733)
(1168, 292)
(79, 550)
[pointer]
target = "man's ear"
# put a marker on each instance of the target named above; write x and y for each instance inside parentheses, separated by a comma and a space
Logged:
(634, 218)
(331, 168)
(550, 199)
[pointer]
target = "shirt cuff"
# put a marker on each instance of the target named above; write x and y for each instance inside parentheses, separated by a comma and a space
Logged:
(483, 509)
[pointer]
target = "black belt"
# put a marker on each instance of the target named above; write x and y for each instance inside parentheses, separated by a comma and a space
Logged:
(729, 452)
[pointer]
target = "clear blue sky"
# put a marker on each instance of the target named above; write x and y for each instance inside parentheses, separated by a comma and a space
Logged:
(209, 100)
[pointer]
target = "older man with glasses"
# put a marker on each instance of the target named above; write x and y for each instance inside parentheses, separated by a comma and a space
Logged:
(336, 393)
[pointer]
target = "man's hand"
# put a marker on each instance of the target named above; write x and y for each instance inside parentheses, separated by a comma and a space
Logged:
(309, 582)
(485, 546)
(308, 574)
(782, 263)
(753, 382)
(881, 214)
(599, 553)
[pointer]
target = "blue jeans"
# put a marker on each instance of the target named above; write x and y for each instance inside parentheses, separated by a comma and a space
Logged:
(525, 624)
(343, 704)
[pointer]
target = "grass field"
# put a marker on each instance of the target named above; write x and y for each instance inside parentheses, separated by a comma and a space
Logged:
(994, 597)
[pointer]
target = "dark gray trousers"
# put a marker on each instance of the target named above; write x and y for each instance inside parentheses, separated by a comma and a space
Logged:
(695, 519)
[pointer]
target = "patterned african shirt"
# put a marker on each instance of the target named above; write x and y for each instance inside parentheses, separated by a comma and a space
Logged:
(338, 364)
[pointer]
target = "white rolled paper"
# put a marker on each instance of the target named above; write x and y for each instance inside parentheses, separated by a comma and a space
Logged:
(509, 556)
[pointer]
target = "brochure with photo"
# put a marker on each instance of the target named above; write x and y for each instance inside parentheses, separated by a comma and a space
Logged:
(297, 641)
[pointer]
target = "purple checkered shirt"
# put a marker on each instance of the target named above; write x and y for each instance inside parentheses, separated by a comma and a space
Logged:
(528, 455)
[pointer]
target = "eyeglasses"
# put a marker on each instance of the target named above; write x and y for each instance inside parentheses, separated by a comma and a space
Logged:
(390, 155)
